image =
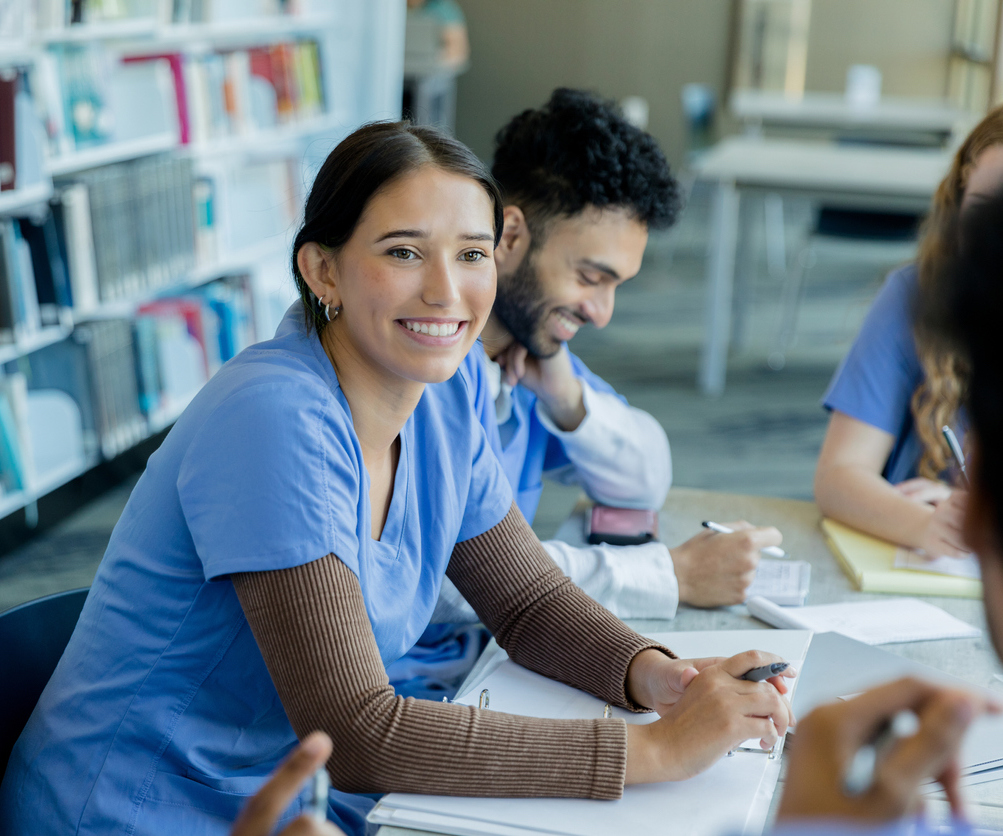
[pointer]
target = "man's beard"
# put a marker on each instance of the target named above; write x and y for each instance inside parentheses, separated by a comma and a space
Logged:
(522, 309)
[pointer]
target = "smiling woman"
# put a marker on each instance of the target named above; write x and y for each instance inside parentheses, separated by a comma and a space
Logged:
(289, 540)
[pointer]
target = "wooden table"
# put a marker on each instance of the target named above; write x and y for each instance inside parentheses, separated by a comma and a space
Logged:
(970, 659)
(849, 176)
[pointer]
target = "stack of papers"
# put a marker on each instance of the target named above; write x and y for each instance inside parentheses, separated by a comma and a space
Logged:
(871, 622)
(878, 566)
(733, 796)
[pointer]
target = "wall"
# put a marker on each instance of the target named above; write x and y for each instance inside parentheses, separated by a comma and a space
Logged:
(522, 49)
(907, 39)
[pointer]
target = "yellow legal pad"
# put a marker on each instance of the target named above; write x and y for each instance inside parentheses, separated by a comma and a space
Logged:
(870, 564)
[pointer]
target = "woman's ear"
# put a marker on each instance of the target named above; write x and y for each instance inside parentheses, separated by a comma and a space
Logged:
(318, 268)
(515, 240)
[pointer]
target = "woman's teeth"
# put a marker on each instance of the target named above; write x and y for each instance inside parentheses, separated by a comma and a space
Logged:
(442, 329)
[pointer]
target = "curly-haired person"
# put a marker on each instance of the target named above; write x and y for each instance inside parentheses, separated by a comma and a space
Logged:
(582, 187)
(884, 467)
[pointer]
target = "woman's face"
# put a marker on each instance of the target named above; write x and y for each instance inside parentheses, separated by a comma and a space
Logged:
(416, 280)
(985, 178)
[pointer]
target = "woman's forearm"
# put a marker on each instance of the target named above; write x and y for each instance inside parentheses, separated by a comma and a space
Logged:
(311, 625)
(866, 501)
(544, 621)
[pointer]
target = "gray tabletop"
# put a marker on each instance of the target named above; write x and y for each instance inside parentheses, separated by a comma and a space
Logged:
(970, 659)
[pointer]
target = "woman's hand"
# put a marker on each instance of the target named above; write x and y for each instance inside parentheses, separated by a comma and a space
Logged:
(706, 711)
(924, 491)
(830, 736)
(263, 810)
(943, 532)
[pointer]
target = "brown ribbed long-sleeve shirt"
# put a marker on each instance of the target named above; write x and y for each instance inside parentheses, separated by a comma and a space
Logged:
(311, 625)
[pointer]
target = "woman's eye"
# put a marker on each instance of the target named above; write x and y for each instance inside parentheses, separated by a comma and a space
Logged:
(402, 253)
(473, 256)
(586, 280)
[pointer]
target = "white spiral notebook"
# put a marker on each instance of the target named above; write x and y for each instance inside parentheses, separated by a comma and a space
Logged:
(733, 796)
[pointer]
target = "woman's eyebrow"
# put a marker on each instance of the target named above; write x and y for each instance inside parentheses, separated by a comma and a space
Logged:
(478, 236)
(404, 233)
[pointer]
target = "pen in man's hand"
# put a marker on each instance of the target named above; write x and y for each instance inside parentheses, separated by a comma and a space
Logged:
(769, 551)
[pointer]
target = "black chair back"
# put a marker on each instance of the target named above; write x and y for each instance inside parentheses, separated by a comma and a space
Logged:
(32, 639)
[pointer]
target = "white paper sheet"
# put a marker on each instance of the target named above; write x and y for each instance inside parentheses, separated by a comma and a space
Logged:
(733, 796)
(961, 567)
(872, 622)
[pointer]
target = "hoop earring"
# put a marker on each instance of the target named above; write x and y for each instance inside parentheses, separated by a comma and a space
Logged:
(337, 311)
(327, 312)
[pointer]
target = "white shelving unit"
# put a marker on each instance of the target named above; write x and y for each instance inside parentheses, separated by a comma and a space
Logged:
(16, 201)
(362, 50)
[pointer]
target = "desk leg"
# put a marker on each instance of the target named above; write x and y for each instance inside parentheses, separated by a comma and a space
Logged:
(720, 280)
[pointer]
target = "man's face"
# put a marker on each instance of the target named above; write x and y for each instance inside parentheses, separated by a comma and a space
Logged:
(569, 278)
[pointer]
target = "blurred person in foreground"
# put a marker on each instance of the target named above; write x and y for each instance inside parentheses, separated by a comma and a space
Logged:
(963, 316)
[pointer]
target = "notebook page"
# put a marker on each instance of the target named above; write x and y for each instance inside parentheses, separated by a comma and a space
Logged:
(871, 622)
(781, 581)
(963, 567)
(733, 796)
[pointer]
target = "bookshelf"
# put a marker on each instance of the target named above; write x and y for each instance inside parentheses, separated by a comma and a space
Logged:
(189, 214)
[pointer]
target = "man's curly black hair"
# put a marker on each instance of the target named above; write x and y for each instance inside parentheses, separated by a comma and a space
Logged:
(578, 151)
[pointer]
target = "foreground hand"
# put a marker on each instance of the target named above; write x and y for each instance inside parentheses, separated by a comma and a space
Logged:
(551, 379)
(715, 713)
(828, 738)
(924, 491)
(715, 570)
(258, 818)
(943, 532)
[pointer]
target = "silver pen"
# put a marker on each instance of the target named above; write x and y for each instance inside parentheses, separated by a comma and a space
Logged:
(769, 551)
(860, 774)
(959, 456)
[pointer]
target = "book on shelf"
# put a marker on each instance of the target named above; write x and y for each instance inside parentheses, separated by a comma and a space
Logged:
(21, 131)
(182, 341)
(19, 304)
(16, 462)
(233, 92)
(128, 229)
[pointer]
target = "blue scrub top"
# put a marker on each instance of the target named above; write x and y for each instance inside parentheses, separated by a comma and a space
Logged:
(877, 378)
(161, 717)
(530, 449)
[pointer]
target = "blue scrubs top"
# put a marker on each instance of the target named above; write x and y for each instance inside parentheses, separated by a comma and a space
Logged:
(161, 717)
(877, 378)
(529, 449)
(445, 653)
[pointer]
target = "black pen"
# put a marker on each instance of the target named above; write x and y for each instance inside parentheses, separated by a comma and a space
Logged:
(765, 671)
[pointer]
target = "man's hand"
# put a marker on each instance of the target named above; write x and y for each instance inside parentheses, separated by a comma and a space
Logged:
(551, 379)
(716, 711)
(715, 570)
(830, 736)
(264, 809)
(943, 532)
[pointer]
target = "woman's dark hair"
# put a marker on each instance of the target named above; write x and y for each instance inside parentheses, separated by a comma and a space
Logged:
(363, 163)
(578, 151)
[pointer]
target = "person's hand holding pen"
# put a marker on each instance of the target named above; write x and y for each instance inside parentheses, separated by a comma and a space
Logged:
(258, 818)
(706, 710)
(715, 569)
(821, 765)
